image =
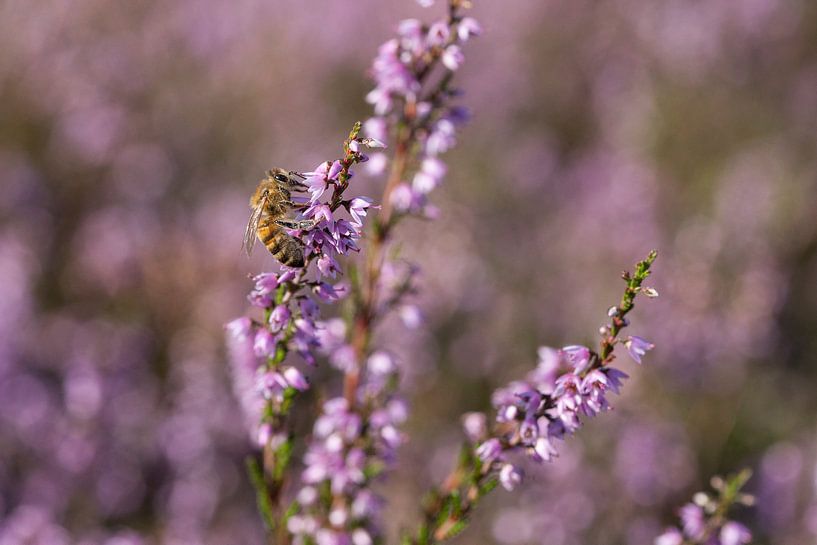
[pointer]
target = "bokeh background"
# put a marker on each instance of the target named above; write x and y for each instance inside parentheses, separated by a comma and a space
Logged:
(132, 133)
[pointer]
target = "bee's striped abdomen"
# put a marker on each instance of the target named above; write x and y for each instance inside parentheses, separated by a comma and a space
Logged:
(283, 247)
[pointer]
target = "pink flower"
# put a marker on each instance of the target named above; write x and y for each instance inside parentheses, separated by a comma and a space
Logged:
(734, 533)
(637, 347)
(510, 476)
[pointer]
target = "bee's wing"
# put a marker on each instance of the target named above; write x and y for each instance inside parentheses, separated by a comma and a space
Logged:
(252, 227)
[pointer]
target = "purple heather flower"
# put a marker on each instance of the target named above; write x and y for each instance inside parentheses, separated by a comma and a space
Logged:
(344, 358)
(361, 537)
(475, 426)
(423, 182)
(578, 357)
(693, 521)
(510, 476)
(358, 208)
(334, 170)
(452, 57)
(326, 292)
(637, 347)
(411, 316)
(438, 33)
(402, 198)
(328, 266)
(544, 449)
(381, 363)
(734, 533)
(670, 537)
(295, 379)
(489, 450)
(264, 434)
(266, 283)
(279, 317)
(468, 27)
(240, 328)
(442, 137)
(264, 344)
(377, 164)
(316, 181)
(320, 212)
(615, 378)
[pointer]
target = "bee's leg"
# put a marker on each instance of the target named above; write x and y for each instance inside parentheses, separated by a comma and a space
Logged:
(292, 204)
(296, 224)
(289, 183)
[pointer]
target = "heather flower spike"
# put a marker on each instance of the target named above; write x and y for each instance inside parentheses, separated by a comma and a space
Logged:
(354, 440)
(532, 417)
(704, 520)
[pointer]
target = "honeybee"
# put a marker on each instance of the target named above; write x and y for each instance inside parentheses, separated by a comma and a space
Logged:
(270, 203)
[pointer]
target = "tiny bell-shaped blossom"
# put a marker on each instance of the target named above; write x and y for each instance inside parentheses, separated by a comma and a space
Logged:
(693, 521)
(735, 533)
(296, 379)
(328, 265)
(380, 363)
(452, 57)
(578, 357)
(670, 537)
(475, 426)
(358, 209)
(316, 181)
(361, 537)
(377, 164)
(240, 328)
(334, 170)
(279, 317)
(468, 27)
(489, 450)
(411, 316)
(402, 198)
(510, 476)
(544, 449)
(264, 345)
(637, 347)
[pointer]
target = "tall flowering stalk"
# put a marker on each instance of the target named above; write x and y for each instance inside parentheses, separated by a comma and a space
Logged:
(355, 437)
(704, 520)
(532, 415)
(290, 322)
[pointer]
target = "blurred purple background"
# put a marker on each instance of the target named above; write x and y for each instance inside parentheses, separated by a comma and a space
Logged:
(132, 133)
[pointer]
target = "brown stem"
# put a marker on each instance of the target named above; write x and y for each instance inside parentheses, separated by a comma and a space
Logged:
(365, 312)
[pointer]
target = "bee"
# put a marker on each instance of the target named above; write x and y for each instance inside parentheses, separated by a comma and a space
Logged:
(270, 203)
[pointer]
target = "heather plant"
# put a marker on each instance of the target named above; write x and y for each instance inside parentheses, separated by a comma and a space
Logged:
(355, 437)
(125, 171)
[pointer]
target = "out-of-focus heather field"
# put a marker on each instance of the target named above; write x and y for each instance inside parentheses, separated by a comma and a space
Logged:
(132, 133)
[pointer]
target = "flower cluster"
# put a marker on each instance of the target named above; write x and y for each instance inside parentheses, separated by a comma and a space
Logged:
(355, 438)
(567, 384)
(407, 95)
(289, 299)
(534, 412)
(704, 521)
(350, 446)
